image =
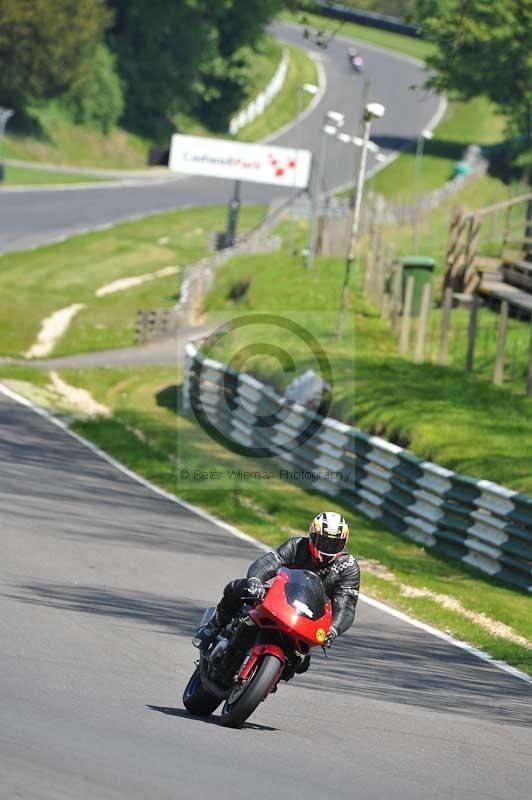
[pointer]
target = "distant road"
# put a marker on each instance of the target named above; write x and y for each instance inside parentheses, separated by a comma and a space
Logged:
(29, 218)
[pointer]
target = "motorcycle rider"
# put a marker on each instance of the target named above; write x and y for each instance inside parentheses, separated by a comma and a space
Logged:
(322, 552)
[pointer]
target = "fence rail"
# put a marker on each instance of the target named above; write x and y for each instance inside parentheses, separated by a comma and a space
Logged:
(481, 523)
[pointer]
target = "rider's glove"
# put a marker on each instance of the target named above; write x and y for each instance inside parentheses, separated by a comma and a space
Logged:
(255, 589)
(331, 636)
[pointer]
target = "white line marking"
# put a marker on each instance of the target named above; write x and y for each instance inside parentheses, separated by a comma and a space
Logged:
(447, 638)
(126, 183)
(474, 651)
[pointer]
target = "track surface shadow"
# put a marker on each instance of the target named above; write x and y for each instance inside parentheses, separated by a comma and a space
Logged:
(180, 712)
(412, 669)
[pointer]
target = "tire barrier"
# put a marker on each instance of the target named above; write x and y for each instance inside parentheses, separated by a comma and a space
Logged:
(485, 525)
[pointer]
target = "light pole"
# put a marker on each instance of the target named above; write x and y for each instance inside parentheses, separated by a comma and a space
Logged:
(327, 129)
(357, 141)
(372, 111)
(425, 135)
(5, 115)
(310, 88)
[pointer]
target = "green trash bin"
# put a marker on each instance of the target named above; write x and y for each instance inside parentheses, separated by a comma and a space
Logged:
(421, 269)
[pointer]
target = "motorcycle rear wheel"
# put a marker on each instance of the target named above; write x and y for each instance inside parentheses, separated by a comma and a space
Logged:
(254, 691)
(196, 699)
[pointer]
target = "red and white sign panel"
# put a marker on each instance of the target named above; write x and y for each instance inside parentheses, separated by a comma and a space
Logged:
(259, 163)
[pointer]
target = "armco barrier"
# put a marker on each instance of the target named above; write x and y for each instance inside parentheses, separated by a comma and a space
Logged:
(260, 103)
(485, 525)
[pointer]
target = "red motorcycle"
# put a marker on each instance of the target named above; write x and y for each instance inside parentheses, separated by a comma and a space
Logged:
(266, 642)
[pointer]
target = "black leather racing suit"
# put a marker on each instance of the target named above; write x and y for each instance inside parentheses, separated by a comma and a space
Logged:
(341, 580)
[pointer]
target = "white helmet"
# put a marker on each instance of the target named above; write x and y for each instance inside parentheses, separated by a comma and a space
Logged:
(328, 535)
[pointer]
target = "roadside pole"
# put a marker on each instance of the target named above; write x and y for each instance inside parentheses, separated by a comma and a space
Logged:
(5, 115)
(311, 89)
(372, 111)
(327, 129)
(232, 219)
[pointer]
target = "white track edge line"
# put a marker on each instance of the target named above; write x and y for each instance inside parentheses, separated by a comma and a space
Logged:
(502, 665)
(474, 651)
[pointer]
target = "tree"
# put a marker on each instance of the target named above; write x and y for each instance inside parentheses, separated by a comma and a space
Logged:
(98, 99)
(188, 57)
(484, 48)
(45, 46)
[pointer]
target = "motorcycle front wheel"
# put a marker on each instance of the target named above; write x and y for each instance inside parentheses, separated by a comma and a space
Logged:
(196, 699)
(243, 700)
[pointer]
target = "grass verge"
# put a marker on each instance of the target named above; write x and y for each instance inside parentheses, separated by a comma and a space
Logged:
(301, 69)
(57, 140)
(474, 122)
(35, 283)
(20, 176)
(149, 433)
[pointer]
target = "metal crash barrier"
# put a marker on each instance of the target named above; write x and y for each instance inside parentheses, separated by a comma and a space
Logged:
(479, 522)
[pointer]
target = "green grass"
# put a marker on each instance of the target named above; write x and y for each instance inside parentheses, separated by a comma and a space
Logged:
(35, 283)
(474, 122)
(279, 285)
(408, 45)
(61, 142)
(26, 177)
(301, 69)
(150, 434)
(263, 64)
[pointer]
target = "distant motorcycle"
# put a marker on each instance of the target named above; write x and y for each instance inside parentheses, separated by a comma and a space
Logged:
(264, 643)
(355, 59)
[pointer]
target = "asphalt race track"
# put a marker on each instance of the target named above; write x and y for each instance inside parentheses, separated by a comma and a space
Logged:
(34, 216)
(101, 584)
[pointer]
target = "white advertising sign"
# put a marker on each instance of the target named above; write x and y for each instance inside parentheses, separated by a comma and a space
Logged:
(259, 163)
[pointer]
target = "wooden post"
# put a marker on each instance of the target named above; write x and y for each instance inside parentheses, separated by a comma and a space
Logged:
(445, 323)
(422, 325)
(454, 243)
(380, 274)
(529, 375)
(472, 333)
(470, 250)
(498, 374)
(396, 307)
(404, 341)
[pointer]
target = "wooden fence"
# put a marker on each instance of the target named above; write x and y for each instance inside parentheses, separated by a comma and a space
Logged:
(463, 331)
